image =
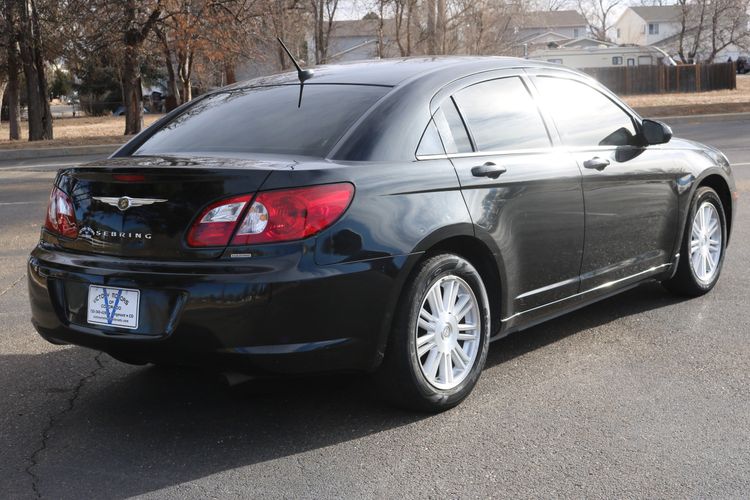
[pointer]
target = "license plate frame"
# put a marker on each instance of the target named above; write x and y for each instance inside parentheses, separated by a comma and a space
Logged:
(119, 310)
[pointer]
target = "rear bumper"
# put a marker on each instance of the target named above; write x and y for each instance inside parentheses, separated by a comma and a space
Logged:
(285, 316)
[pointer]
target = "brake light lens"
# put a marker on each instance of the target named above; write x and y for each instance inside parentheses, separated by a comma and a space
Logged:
(61, 217)
(216, 223)
(274, 216)
(293, 214)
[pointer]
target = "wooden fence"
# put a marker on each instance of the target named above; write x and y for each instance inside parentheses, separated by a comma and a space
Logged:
(628, 80)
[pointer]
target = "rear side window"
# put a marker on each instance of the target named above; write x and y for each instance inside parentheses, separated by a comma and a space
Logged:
(430, 143)
(584, 116)
(452, 129)
(502, 115)
(266, 120)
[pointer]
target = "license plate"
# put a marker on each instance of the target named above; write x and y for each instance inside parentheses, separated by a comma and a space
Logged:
(113, 306)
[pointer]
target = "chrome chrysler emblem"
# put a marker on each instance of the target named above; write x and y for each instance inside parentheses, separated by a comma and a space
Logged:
(125, 202)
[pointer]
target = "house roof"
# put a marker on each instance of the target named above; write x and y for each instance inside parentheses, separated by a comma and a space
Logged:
(552, 19)
(587, 42)
(551, 35)
(658, 13)
(361, 28)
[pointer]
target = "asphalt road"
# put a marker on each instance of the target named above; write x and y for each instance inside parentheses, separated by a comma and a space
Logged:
(642, 395)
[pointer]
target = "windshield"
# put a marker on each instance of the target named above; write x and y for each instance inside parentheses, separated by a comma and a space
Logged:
(266, 120)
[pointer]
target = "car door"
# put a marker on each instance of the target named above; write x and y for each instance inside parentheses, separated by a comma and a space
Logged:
(522, 194)
(629, 189)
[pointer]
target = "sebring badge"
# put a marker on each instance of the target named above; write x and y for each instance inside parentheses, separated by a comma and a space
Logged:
(125, 202)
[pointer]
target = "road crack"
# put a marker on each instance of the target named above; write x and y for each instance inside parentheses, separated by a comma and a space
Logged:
(74, 394)
(8, 288)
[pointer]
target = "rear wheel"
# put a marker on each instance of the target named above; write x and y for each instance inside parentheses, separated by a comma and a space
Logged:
(703, 246)
(440, 338)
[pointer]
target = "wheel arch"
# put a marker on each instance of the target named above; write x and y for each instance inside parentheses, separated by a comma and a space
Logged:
(461, 241)
(720, 185)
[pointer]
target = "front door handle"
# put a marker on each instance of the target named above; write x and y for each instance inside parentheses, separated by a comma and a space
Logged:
(489, 169)
(596, 163)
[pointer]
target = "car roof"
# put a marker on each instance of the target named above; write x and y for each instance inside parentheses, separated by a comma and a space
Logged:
(393, 72)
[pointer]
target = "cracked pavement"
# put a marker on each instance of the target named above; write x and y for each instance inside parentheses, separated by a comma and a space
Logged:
(642, 395)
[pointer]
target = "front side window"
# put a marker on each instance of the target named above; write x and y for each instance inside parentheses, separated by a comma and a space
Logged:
(584, 116)
(265, 120)
(502, 115)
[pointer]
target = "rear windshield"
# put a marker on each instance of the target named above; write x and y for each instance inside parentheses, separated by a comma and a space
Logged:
(266, 120)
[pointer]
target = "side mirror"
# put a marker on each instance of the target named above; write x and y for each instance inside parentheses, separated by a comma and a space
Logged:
(655, 132)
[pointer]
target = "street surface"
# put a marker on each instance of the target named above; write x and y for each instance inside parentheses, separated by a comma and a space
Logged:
(642, 395)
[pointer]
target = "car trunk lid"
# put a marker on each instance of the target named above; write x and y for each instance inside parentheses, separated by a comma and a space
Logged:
(142, 207)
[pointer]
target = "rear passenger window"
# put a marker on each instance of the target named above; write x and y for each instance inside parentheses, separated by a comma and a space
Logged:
(452, 129)
(502, 115)
(430, 143)
(584, 116)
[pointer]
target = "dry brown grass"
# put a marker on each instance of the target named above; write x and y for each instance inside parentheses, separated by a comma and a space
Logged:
(77, 132)
(741, 95)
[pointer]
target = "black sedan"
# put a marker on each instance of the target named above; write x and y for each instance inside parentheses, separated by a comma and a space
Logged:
(390, 217)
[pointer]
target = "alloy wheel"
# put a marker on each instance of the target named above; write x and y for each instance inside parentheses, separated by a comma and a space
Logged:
(448, 332)
(705, 242)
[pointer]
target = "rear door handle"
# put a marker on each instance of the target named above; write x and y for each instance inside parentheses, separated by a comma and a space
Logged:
(596, 163)
(489, 169)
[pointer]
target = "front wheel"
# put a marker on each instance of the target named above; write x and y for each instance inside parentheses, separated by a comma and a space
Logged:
(703, 246)
(440, 338)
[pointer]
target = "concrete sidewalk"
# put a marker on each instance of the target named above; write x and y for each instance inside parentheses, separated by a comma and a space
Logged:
(30, 153)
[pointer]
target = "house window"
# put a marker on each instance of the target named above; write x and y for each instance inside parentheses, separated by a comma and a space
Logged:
(653, 28)
(575, 33)
(631, 61)
(618, 33)
(617, 61)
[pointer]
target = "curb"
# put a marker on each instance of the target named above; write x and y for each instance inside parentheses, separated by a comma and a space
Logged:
(709, 117)
(32, 154)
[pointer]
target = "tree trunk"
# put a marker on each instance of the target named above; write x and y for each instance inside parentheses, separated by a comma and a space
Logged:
(131, 87)
(431, 31)
(131, 73)
(14, 110)
(40, 69)
(40, 119)
(173, 91)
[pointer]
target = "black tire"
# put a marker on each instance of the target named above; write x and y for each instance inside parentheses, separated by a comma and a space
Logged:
(400, 378)
(685, 282)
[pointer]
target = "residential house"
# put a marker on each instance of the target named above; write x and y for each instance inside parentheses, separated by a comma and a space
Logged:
(647, 25)
(354, 40)
(660, 26)
(537, 30)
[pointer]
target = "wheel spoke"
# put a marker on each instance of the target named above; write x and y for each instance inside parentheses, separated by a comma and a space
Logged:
(426, 339)
(465, 327)
(426, 320)
(461, 354)
(446, 368)
(435, 299)
(431, 364)
(463, 306)
(450, 296)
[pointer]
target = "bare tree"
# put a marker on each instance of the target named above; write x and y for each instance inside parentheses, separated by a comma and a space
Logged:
(323, 13)
(600, 16)
(709, 26)
(11, 63)
(32, 60)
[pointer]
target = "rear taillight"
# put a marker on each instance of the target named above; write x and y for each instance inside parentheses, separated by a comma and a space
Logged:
(216, 223)
(274, 216)
(61, 218)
